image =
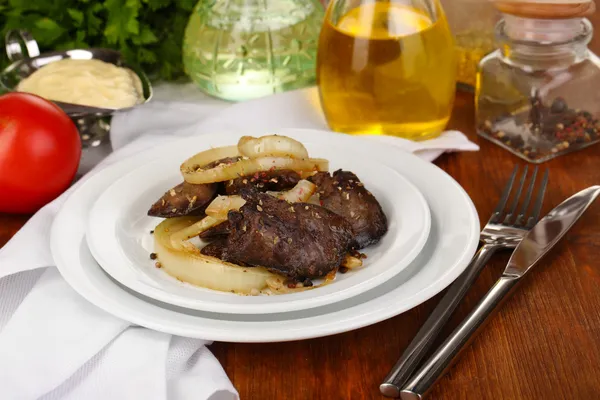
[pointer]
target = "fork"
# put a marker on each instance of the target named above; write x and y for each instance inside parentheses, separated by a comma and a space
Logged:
(504, 230)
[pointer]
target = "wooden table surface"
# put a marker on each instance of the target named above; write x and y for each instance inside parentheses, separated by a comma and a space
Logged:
(544, 343)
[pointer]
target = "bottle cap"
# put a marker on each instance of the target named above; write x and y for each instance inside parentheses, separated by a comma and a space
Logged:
(546, 9)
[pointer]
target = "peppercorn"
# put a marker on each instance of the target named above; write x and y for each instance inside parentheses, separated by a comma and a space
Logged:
(530, 133)
(518, 141)
(559, 105)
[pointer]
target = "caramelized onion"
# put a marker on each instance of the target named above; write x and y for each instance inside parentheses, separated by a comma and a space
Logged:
(247, 167)
(277, 285)
(271, 146)
(301, 193)
(198, 269)
(351, 262)
(190, 229)
(221, 205)
(209, 156)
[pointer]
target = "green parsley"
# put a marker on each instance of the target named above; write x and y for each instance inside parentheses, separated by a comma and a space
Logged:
(149, 33)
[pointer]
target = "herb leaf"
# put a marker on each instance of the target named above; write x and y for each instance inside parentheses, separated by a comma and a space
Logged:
(149, 33)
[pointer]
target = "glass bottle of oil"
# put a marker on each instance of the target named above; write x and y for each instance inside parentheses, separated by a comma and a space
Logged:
(243, 49)
(386, 67)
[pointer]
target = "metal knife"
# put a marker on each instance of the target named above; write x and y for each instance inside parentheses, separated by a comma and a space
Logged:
(544, 235)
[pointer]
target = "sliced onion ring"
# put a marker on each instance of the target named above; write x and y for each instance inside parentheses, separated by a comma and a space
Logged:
(247, 167)
(221, 205)
(351, 262)
(206, 157)
(301, 193)
(277, 284)
(201, 270)
(271, 146)
(191, 228)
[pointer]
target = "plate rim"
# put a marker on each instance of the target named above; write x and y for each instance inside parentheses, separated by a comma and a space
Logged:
(191, 327)
(124, 277)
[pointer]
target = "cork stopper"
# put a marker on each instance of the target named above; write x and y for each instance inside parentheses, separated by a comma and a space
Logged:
(546, 9)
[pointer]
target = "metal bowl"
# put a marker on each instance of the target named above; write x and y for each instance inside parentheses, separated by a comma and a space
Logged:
(23, 51)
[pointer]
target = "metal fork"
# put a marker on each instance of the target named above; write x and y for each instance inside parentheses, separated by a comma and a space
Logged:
(504, 230)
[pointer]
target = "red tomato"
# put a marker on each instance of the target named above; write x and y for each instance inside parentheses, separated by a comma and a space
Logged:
(40, 150)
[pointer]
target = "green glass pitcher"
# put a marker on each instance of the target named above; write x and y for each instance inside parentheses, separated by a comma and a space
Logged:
(243, 49)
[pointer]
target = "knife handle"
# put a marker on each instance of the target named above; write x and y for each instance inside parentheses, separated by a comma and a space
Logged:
(431, 329)
(448, 352)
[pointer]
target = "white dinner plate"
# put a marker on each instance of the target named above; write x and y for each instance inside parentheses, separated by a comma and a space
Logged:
(118, 232)
(451, 243)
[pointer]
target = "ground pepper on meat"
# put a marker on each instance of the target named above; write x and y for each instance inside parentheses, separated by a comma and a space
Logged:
(275, 181)
(317, 246)
(356, 204)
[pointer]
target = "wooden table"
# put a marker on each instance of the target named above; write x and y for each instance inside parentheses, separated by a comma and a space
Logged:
(544, 343)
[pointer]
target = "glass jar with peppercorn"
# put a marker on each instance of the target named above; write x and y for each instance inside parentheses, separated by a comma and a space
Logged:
(538, 96)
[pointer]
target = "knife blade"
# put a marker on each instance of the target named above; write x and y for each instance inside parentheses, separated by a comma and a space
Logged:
(544, 235)
(548, 231)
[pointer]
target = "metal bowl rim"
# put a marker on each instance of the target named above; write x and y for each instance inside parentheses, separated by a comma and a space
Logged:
(85, 110)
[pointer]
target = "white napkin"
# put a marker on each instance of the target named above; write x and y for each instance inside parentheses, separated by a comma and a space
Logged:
(296, 109)
(55, 345)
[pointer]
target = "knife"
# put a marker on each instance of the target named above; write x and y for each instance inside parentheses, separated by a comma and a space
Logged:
(544, 235)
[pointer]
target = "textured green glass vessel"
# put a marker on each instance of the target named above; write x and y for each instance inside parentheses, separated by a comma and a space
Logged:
(243, 49)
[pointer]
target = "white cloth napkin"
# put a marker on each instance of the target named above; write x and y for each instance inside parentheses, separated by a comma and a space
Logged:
(55, 345)
(296, 109)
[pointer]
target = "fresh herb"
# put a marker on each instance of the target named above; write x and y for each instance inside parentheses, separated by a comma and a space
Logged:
(149, 33)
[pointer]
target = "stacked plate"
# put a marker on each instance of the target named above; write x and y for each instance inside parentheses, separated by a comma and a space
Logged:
(101, 243)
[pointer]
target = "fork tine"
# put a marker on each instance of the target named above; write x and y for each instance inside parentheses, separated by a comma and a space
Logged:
(537, 208)
(515, 203)
(505, 194)
(525, 206)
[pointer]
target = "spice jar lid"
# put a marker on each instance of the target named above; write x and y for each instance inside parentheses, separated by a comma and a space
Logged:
(546, 9)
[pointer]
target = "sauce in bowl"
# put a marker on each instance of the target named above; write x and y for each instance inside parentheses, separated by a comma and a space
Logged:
(91, 83)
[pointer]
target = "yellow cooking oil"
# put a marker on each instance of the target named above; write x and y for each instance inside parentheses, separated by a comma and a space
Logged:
(387, 68)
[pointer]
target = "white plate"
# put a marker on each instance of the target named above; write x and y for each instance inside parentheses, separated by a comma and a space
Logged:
(119, 238)
(451, 243)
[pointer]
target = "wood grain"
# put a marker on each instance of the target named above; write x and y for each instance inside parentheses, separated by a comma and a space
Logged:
(544, 343)
(9, 225)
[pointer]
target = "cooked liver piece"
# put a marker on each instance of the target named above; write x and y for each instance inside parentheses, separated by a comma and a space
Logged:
(187, 198)
(216, 231)
(344, 194)
(184, 199)
(216, 248)
(264, 181)
(298, 240)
